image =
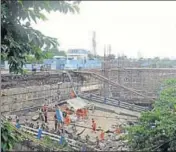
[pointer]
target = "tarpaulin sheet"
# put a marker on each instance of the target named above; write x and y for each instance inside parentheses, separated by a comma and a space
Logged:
(77, 103)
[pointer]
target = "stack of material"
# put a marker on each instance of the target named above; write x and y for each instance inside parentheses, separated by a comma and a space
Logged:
(77, 103)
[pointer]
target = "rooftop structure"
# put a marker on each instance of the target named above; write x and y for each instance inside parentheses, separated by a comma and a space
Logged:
(78, 54)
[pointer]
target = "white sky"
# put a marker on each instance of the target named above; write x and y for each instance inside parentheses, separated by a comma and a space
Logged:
(129, 26)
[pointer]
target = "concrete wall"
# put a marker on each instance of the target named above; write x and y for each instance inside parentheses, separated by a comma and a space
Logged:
(34, 91)
(20, 92)
(143, 80)
(16, 99)
(146, 81)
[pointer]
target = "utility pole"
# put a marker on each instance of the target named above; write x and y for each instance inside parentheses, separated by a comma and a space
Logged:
(94, 43)
(106, 72)
(109, 49)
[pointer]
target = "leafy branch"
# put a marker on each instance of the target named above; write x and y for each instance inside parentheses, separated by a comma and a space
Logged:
(157, 128)
(18, 38)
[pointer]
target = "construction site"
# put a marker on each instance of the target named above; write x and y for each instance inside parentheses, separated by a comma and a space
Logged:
(112, 96)
(65, 87)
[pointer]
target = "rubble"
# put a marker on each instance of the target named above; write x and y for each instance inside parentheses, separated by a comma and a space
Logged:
(35, 118)
(80, 130)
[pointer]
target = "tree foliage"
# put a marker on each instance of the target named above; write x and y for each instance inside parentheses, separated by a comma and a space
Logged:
(156, 129)
(18, 38)
(31, 59)
(56, 52)
(8, 136)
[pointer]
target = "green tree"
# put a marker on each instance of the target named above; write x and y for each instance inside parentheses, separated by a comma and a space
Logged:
(156, 129)
(18, 38)
(8, 136)
(43, 55)
(56, 52)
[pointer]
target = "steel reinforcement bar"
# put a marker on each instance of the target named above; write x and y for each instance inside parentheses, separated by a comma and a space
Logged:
(115, 84)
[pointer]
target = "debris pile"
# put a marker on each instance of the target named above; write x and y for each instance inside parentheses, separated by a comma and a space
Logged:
(79, 121)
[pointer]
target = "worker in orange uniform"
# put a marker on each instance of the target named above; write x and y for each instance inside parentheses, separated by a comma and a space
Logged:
(94, 125)
(85, 111)
(78, 113)
(72, 94)
(44, 108)
(102, 135)
(67, 120)
(82, 113)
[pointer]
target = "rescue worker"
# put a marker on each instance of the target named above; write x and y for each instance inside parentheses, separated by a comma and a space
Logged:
(93, 126)
(62, 128)
(72, 94)
(82, 113)
(85, 113)
(46, 116)
(102, 135)
(55, 122)
(59, 122)
(67, 120)
(44, 107)
(59, 125)
(78, 113)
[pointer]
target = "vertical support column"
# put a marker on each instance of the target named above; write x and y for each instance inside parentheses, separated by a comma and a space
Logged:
(106, 74)
(131, 81)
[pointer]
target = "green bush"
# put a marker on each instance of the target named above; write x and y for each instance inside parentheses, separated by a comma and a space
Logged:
(156, 129)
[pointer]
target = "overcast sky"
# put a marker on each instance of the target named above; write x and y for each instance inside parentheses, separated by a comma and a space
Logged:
(130, 27)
